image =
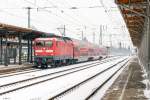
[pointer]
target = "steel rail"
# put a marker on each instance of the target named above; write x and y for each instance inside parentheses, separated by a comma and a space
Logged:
(19, 72)
(23, 71)
(88, 79)
(14, 83)
(106, 81)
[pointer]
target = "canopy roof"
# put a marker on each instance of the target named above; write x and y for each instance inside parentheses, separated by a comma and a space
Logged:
(135, 14)
(14, 31)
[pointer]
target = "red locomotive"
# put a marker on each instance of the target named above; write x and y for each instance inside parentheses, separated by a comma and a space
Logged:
(56, 51)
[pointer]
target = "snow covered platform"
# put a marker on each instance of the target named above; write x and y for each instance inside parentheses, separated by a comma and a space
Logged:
(130, 85)
(14, 67)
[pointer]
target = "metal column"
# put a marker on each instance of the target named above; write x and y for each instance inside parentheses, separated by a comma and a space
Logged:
(20, 49)
(29, 19)
(6, 55)
(100, 35)
(82, 35)
(148, 33)
(31, 60)
(28, 55)
(1, 49)
(148, 38)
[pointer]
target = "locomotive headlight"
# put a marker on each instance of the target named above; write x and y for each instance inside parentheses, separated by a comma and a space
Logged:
(38, 50)
(49, 51)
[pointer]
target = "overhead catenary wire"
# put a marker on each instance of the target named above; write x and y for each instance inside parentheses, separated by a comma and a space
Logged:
(47, 11)
(110, 16)
(56, 7)
(55, 14)
(51, 13)
(84, 18)
(23, 17)
(68, 15)
(74, 20)
(73, 8)
(108, 13)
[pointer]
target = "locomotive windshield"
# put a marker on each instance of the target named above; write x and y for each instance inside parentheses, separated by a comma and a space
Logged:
(43, 43)
(48, 43)
(39, 43)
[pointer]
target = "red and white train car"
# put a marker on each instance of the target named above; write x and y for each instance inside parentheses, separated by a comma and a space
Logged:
(56, 51)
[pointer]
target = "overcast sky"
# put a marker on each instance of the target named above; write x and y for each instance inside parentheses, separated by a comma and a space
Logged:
(77, 15)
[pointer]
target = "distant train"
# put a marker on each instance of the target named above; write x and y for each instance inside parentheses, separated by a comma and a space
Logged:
(56, 51)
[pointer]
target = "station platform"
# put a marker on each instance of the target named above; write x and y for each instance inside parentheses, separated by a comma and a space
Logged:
(129, 85)
(14, 67)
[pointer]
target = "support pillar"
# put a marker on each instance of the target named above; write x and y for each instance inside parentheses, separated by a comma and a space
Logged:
(6, 55)
(148, 42)
(28, 54)
(100, 35)
(31, 60)
(148, 36)
(1, 48)
(20, 49)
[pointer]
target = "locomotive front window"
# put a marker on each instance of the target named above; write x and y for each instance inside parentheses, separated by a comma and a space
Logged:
(44, 43)
(39, 43)
(48, 43)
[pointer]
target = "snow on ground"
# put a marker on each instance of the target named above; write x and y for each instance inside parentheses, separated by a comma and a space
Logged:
(146, 81)
(80, 94)
(47, 89)
(101, 93)
(34, 74)
(147, 90)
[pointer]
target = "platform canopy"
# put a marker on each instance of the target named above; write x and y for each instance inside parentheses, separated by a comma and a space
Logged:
(134, 13)
(12, 31)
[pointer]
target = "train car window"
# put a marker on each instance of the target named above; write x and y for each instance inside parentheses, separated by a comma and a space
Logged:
(48, 43)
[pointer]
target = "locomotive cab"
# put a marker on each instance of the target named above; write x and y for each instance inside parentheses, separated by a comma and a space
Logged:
(53, 51)
(43, 51)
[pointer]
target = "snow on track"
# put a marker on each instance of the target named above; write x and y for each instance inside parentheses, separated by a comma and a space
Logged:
(47, 89)
(80, 94)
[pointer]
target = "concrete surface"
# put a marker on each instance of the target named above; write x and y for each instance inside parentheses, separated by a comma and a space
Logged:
(129, 85)
(14, 67)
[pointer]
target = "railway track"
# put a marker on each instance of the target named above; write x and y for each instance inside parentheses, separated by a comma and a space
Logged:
(71, 89)
(106, 81)
(10, 87)
(19, 72)
(36, 70)
(16, 71)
